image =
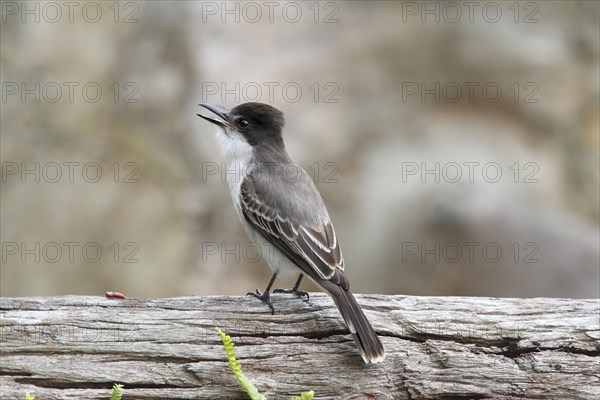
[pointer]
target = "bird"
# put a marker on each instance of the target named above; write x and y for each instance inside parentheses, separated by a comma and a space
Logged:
(284, 215)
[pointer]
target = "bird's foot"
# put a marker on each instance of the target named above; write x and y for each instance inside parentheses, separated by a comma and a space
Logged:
(295, 290)
(264, 297)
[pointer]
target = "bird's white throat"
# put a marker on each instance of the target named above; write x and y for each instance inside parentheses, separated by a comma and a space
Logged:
(238, 155)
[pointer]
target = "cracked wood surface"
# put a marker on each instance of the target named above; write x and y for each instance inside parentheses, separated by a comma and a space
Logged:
(436, 348)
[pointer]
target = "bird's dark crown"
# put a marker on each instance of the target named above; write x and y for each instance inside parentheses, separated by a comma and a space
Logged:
(264, 122)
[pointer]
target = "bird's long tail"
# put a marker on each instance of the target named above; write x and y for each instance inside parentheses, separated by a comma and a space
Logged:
(366, 339)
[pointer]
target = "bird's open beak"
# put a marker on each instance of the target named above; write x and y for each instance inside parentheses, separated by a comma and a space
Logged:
(221, 112)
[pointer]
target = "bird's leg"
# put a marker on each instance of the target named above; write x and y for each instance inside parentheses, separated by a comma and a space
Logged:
(299, 293)
(266, 296)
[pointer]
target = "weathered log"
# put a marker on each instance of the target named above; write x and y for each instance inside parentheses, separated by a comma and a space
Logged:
(437, 348)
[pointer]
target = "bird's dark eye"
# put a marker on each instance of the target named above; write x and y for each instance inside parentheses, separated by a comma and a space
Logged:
(242, 123)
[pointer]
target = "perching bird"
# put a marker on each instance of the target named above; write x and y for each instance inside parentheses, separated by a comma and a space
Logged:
(285, 211)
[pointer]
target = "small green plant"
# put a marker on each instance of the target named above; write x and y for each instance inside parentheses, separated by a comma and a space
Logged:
(236, 367)
(28, 396)
(117, 392)
(305, 396)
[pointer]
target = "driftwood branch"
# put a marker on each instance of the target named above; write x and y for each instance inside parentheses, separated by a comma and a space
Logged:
(437, 348)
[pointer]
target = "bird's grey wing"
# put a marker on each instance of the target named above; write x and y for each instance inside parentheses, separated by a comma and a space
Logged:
(312, 244)
(298, 225)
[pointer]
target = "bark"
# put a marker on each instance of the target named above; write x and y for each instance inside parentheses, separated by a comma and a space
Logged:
(436, 348)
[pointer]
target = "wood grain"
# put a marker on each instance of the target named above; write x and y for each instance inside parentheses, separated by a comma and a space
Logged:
(437, 348)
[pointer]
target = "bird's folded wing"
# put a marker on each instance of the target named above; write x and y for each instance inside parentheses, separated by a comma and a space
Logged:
(316, 251)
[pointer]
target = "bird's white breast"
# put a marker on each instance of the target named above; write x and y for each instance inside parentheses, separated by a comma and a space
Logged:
(238, 154)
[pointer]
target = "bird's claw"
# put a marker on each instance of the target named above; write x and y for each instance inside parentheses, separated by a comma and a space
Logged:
(264, 297)
(299, 293)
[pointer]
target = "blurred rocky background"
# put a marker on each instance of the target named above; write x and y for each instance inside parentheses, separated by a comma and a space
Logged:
(456, 145)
